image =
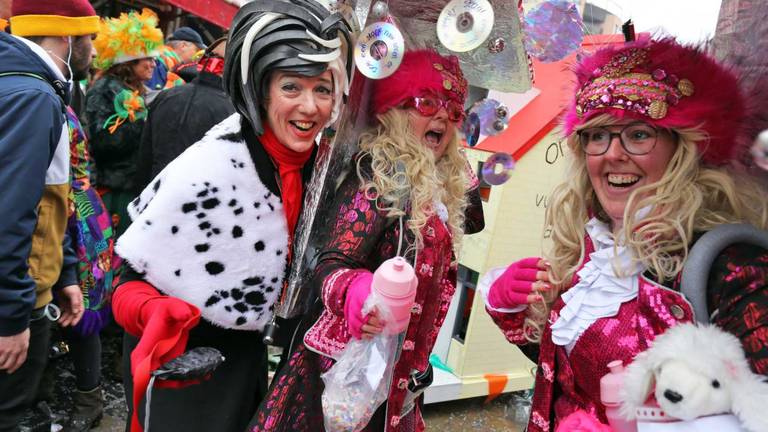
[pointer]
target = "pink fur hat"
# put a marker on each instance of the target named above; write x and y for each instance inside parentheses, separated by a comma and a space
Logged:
(422, 71)
(665, 84)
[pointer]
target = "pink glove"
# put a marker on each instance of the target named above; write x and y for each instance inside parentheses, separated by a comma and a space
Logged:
(512, 288)
(357, 294)
(580, 421)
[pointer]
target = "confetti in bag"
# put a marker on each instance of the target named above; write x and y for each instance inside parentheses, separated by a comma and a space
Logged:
(359, 381)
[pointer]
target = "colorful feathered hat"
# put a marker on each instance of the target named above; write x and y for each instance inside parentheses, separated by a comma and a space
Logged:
(53, 18)
(421, 71)
(666, 84)
(132, 36)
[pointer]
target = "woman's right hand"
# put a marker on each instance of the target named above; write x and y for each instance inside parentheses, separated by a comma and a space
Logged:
(357, 294)
(521, 284)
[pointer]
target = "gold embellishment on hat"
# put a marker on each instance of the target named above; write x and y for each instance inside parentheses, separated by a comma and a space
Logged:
(686, 87)
(453, 80)
(657, 109)
(626, 82)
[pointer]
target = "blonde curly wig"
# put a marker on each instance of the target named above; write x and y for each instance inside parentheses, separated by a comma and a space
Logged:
(690, 197)
(408, 180)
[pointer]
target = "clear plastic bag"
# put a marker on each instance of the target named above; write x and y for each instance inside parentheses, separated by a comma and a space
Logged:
(359, 381)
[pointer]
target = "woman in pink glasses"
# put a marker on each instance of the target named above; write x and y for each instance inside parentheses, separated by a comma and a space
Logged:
(410, 168)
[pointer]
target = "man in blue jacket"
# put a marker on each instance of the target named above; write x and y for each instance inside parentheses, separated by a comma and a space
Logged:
(50, 39)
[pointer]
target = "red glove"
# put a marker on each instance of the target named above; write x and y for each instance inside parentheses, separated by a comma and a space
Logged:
(162, 324)
(514, 286)
(357, 293)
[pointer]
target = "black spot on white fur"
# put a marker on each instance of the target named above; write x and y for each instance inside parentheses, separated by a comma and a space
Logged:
(214, 267)
(237, 231)
(253, 281)
(210, 203)
(259, 246)
(255, 298)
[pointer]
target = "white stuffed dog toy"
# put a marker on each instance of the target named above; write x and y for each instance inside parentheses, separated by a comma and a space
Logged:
(696, 371)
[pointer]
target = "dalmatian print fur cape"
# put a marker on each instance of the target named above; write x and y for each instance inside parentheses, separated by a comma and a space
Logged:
(207, 231)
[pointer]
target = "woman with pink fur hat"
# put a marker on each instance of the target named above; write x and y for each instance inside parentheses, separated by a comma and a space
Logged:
(410, 187)
(653, 129)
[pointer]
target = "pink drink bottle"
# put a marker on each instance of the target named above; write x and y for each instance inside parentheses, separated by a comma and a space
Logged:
(394, 282)
(610, 385)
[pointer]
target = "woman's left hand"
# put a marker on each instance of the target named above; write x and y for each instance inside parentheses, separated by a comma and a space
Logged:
(374, 325)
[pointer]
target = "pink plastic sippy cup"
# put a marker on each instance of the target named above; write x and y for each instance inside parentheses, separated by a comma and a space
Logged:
(394, 282)
(610, 385)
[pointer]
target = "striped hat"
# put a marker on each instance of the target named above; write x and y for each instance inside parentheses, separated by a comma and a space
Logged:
(53, 18)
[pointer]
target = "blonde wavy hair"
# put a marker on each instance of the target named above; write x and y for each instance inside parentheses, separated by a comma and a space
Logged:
(689, 198)
(408, 180)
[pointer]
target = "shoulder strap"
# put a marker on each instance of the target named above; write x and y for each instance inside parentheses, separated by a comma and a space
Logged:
(703, 254)
(57, 85)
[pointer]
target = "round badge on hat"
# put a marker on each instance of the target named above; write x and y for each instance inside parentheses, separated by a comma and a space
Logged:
(379, 50)
(464, 25)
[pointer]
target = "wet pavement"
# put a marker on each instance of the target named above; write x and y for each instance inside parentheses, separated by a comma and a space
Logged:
(61, 404)
(502, 414)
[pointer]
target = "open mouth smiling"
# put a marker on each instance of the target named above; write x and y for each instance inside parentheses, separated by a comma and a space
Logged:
(622, 180)
(304, 126)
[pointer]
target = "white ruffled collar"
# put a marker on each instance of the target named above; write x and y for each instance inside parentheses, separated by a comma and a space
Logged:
(600, 291)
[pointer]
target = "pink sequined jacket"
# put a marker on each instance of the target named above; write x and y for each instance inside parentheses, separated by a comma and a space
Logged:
(737, 296)
(361, 239)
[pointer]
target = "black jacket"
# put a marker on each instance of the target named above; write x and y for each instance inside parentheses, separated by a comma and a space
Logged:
(178, 118)
(114, 154)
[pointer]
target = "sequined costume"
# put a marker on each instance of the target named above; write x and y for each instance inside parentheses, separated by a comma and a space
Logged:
(737, 301)
(360, 239)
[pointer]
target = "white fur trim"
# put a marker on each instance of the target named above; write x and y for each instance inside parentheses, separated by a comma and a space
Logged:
(206, 230)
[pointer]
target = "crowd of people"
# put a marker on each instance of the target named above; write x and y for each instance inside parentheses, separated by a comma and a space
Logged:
(157, 183)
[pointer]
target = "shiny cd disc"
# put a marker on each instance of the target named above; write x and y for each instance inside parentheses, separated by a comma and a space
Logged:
(471, 129)
(493, 116)
(496, 169)
(379, 50)
(464, 25)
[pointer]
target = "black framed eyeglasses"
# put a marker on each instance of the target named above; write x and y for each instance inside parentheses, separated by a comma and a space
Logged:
(636, 138)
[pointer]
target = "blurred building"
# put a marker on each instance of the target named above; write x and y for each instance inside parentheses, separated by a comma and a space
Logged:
(209, 17)
(598, 20)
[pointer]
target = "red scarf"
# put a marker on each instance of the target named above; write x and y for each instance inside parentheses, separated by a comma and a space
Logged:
(289, 164)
